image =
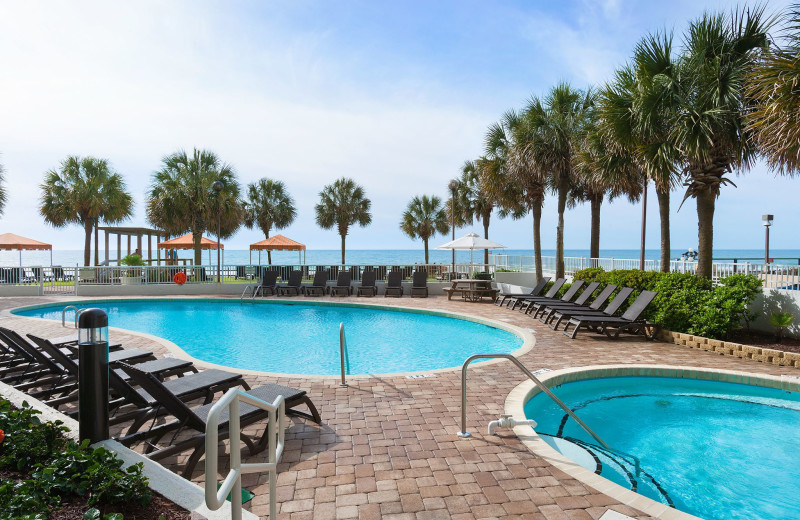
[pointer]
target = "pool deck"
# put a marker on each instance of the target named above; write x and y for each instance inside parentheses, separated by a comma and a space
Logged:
(387, 447)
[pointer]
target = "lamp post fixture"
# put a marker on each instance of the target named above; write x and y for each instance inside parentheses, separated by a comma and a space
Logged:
(218, 186)
(453, 185)
(767, 221)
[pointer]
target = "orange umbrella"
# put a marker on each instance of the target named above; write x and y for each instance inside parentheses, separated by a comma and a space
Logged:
(187, 242)
(12, 242)
(276, 243)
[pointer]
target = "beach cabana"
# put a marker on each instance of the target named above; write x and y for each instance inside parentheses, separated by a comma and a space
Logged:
(186, 241)
(278, 243)
(12, 242)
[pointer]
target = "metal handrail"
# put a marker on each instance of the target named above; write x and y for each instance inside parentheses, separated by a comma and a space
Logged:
(232, 484)
(542, 387)
(344, 358)
(64, 315)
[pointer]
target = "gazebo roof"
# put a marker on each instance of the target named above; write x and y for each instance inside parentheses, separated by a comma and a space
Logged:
(278, 243)
(187, 242)
(10, 241)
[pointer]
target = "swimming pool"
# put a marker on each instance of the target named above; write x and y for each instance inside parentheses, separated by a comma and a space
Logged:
(715, 449)
(302, 338)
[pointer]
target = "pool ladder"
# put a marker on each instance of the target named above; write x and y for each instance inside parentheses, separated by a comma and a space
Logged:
(64, 315)
(543, 388)
(343, 357)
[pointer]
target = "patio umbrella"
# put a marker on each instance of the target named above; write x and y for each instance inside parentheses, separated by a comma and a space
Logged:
(472, 242)
(278, 243)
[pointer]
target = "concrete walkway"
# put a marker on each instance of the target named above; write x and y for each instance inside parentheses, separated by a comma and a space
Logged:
(388, 447)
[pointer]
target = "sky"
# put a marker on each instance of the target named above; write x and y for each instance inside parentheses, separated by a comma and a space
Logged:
(395, 94)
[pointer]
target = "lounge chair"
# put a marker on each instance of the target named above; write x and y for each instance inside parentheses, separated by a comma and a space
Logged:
(367, 287)
(196, 418)
(501, 299)
(342, 287)
(610, 310)
(292, 287)
(60, 275)
(319, 286)
(628, 321)
(419, 284)
(394, 284)
(267, 285)
(555, 313)
(580, 302)
(534, 307)
(549, 295)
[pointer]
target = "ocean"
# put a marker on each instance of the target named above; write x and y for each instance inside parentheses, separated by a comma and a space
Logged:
(387, 256)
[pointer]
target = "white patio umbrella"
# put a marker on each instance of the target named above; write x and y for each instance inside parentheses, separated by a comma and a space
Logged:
(472, 242)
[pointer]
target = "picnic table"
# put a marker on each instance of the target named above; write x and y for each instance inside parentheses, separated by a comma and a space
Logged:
(472, 290)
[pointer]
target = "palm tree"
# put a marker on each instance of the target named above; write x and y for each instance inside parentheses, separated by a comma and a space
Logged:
(556, 126)
(343, 204)
(424, 217)
(709, 126)
(2, 190)
(473, 199)
(635, 112)
(773, 92)
(83, 191)
(268, 204)
(181, 198)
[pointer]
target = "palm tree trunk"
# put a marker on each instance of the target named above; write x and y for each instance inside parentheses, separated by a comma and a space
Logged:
(425, 241)
(96, 241)
(486, 236)
(343, 237)
(594, 242)
(536, 210)
(563, 189)
(197, 236)
(269, 251)
(663, 212)
(88, 225)
(706, 201)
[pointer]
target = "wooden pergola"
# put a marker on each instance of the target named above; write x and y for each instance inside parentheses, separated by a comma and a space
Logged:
(131, 232)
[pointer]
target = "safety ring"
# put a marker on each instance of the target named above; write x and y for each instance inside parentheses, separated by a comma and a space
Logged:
(179, 278)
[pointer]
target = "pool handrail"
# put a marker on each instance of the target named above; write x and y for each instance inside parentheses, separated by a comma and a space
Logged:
(344, 358)
(542, 387)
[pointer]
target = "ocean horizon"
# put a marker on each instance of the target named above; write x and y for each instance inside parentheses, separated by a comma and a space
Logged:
(387, 256)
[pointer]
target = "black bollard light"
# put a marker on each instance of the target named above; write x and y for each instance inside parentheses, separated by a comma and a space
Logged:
(93, 375)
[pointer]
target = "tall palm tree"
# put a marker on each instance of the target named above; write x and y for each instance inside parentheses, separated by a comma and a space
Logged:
(83, 191)
(557, 124)
(776, 105)
(2, 190)
(635, 117)
(343, 204)
(709, 126)
(268, 204)
(423, 218)
(473, 199)
(181, 198)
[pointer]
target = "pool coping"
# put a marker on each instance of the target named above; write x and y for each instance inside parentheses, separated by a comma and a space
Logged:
(519, 395)
(526, 335)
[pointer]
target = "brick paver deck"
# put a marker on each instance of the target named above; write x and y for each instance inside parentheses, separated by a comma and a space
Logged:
(387, 447)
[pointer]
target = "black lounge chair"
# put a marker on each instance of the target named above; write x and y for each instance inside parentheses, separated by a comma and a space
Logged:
(342, 287)
(267, 287)
(419, 283)
(319, 286)
(292, 287)
(610, 310)
(394, 284)
(196, 418)
(556, 313)
(549, 295)
(501, 299)
(580, 302)
(367, 287)
(628, 321)
(535, 307)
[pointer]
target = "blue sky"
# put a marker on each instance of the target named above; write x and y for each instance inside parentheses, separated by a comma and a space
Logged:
(394, 94)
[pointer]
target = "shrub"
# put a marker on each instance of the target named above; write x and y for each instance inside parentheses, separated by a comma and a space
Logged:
(132, 260)
(687, 303)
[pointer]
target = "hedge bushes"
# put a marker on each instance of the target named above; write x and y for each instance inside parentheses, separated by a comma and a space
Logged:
(53, 467)
(687, 303)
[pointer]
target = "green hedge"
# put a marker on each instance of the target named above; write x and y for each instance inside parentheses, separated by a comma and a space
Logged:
(687, 303)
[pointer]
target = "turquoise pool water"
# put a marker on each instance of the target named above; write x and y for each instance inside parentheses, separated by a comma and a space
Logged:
(716, 450)
(303, 338)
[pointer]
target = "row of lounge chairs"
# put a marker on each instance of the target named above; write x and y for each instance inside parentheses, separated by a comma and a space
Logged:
(149, 398)
(574, 311)
(319, 286)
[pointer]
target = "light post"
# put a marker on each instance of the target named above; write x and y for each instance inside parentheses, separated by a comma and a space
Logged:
(767, 221)
(93, 375)
(218, 186)
(453, 187)
(644, 224)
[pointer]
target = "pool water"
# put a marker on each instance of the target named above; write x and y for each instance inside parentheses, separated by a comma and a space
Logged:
(716, 450)
(303, 338)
